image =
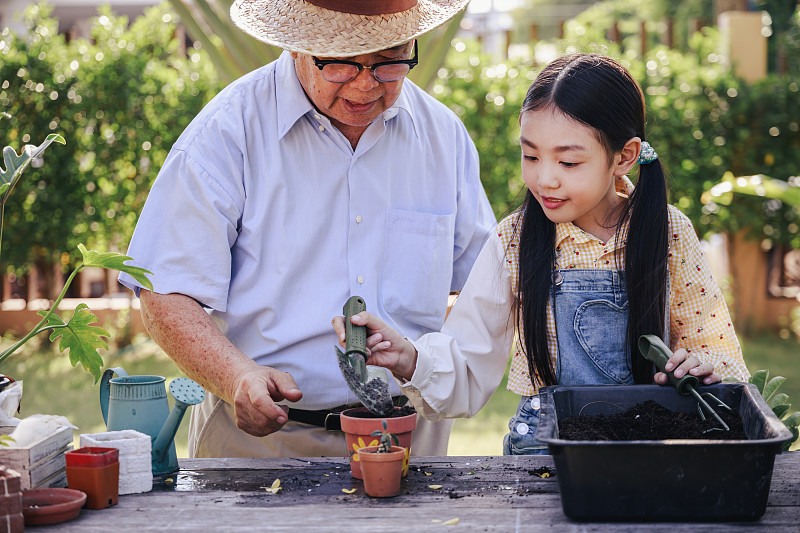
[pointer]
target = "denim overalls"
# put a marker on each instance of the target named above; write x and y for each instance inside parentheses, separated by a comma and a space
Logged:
(591, 314)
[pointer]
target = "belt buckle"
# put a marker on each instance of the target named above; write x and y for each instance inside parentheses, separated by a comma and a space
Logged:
(333, 421)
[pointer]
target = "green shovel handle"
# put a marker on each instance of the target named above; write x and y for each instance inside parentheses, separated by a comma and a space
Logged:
(654, 349)
(355, 336)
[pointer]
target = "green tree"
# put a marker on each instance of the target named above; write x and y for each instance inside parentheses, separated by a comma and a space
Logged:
(122, 99)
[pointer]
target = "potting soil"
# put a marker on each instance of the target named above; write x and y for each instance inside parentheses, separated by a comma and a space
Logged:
(649, 421)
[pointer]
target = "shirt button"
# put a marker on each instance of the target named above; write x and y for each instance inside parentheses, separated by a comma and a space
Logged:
(321, 127)
(522, 428)
(316, 116)
(358, 219)
(360, 279)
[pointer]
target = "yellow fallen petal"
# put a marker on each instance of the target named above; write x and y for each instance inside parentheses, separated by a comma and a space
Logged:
(348, 491)
(434, 487)
(276, 483)
(436, 520)
(428, 474)
(325, 475)
(169, 481)
(545, 475)
(451, 522)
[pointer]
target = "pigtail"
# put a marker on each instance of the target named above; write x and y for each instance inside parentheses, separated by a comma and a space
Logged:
(646, 263)
(536, 255)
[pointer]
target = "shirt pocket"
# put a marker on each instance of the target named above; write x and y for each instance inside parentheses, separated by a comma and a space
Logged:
(417, 267)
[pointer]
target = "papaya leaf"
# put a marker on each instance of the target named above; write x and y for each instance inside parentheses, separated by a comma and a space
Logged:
(781, 410)
(115, 261)
(772, 387)
(15, 164)
(759, 378)
(80, 337)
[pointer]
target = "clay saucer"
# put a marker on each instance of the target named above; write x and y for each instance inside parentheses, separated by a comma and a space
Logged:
(51, 506)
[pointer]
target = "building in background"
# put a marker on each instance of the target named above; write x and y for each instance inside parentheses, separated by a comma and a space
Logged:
(73, 15)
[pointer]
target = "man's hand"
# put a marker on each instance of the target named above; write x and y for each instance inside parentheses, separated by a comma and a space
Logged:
(255, 397)
(191, 338)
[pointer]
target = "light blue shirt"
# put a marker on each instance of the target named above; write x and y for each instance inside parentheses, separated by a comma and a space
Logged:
(265, 215)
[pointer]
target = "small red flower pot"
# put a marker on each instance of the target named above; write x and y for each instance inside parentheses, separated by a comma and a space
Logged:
(95, 471)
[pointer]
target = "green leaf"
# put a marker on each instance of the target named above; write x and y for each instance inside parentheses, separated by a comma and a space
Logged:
(80, 337)
(781, 410)
(779, 399)
(759, 379)
(795, 434)
(115, 261)
(772, 387)
(15, 164)
(793, 421)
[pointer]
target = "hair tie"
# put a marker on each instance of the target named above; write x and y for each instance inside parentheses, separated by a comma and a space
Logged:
(647, 155)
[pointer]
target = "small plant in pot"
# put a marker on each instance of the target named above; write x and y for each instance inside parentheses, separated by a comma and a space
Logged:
(381, 465)
(360, 425)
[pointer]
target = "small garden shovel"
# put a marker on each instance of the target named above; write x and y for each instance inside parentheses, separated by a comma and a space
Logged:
(370, 385)
(654, 349)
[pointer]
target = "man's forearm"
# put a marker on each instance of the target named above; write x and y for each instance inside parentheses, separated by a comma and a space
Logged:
(191, 338)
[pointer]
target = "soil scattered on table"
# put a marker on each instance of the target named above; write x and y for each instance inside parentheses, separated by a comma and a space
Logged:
(649, 421)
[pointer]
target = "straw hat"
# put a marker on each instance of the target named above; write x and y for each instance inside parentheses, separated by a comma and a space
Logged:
(341, 28)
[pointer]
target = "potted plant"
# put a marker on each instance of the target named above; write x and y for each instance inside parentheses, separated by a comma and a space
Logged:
(670, 479)
(382, 465)
(79, 333)
(360, 426)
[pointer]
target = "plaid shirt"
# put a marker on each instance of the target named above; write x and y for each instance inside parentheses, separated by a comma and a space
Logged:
(699, 318)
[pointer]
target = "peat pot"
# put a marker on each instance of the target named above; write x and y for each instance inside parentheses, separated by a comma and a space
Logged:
(676, 480)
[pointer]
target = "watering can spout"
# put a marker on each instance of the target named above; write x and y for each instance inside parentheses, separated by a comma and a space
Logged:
(186, 392)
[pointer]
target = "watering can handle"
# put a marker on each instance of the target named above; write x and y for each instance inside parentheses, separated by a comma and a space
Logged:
(654, 349)
(105, 389)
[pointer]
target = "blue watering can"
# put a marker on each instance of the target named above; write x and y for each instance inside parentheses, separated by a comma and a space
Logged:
(140, 403)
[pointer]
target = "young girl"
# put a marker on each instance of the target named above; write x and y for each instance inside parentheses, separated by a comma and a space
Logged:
(587, 265)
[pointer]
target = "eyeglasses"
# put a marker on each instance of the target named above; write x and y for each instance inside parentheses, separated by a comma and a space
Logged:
(339, 71)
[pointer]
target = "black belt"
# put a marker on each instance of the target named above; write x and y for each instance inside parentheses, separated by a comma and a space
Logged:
(329, 418)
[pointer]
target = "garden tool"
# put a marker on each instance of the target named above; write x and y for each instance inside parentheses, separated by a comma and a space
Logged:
(654, 349)
(369, 384)
(140, 403)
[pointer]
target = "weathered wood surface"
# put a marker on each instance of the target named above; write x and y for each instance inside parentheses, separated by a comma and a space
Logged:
(484, 493)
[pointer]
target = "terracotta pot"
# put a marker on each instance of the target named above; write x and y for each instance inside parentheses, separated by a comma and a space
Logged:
(95, 471)
(51, 506)
(382, 471)
(358, 424)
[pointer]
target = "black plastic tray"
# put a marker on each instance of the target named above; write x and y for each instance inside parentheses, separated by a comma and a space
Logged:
(675, 480)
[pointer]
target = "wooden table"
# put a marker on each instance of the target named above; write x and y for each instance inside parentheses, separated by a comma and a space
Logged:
(492, 493)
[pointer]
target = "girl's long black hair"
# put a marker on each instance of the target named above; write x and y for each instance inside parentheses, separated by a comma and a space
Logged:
(598, 92)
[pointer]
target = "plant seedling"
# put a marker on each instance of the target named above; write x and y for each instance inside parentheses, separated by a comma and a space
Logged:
(386, 439)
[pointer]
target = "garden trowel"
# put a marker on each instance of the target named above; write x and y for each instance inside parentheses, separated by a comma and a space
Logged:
(369, 384)
(654, 350)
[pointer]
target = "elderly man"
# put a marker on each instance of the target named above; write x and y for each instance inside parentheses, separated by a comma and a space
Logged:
(321, 175)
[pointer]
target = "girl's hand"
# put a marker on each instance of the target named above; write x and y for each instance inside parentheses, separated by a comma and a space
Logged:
(385, 346)
(684, 363)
